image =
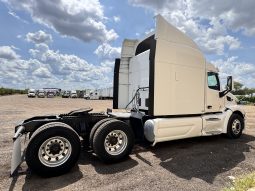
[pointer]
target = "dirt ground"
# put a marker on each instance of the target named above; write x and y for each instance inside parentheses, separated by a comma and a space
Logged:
(203, 163)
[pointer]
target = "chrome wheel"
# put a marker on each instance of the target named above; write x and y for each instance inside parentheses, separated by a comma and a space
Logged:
(55, 151)
(115, 142)
(236, 126)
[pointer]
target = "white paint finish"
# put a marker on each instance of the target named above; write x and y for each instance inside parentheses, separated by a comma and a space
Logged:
(127, 51)
(128, 48)
(229, 112)
(179, 79)
(166, 129)
(213, 100)
(169, 33)
(176, 128)
(178, 90)
(211, 68)
(233, 102)
(139, 76)
(213, 123)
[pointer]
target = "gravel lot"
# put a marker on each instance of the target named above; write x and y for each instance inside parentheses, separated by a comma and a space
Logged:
(192, 164)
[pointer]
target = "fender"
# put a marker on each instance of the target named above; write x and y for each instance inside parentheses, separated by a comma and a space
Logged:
(229, 111)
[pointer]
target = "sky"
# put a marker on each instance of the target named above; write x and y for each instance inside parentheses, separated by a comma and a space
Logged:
(72, 44)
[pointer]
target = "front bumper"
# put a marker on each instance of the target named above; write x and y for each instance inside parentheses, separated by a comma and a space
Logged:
(17, 155)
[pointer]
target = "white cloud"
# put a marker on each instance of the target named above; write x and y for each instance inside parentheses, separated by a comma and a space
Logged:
(106, 51)
(243, 72)
(12, 13)
(82, 19)
(116, 19)
(39, 37)
(208, 30)
(8, 53)
(42, 73)
(234, 14)
(219, 44)
(149, 31)
(50, 68)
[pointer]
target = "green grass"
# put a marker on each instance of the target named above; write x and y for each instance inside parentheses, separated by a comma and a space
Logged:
(242, 183)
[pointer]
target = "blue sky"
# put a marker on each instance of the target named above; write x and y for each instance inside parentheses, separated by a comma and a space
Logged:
(72, 44)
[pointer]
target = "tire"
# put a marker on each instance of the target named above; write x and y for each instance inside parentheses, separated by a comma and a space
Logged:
(113, 132)
(54, 137)
(93, 130)
(235, 126)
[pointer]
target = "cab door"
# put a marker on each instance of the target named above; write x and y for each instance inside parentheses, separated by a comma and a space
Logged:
(213, 101)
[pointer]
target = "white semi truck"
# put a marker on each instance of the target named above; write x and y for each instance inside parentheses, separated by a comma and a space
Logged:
(171, 92)
(103, 93)
(31, 93)
(106, 93)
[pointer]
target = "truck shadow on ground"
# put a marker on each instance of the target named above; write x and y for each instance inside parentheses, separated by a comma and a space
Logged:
(34, 182)
(202, 157)
(88, 158)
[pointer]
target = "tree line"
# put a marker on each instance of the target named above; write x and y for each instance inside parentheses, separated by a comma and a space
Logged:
(243, 93)
(10, 91)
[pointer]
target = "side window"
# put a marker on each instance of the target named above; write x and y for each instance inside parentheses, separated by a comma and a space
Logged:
(213, 81)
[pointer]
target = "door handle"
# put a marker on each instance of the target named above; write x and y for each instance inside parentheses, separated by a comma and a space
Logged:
(209, 107)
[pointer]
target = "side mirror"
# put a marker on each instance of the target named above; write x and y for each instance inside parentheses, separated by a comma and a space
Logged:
(229, 83)
(229, 87)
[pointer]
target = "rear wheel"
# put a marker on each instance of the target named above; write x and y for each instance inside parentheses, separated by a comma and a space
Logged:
(53, 149)
(235, 126)
(95, 127)
(113, 141)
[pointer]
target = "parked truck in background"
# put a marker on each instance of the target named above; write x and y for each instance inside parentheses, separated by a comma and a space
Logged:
(106, 93)
(31, 93)
(170, 91)
(94, 94)
(66, 94)
(73, 94)
(41, 93)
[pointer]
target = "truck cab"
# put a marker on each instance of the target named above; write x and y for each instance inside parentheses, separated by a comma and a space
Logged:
(166, 77)
(31, 93)
(73, 94)
(41, 93)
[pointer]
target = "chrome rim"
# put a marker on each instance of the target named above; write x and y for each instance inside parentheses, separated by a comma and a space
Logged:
(236, 126)
(115, 142)
(55, 151)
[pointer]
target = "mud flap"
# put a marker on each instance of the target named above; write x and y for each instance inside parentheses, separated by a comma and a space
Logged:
(17, 157)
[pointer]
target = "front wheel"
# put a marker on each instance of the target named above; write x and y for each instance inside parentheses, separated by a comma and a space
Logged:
(53, 149)
(113, 141)
(235, 126)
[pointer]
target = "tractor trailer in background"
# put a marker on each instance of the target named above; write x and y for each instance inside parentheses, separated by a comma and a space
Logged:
(104, 93)
(169, 90)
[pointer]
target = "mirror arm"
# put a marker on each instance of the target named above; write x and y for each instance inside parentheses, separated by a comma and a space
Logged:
(224, 92)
